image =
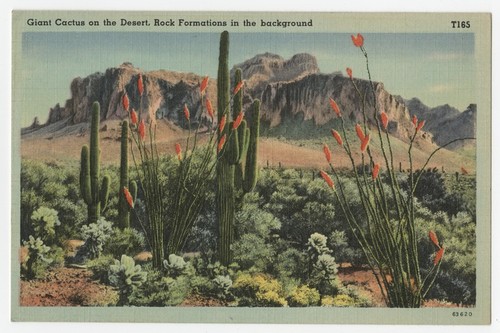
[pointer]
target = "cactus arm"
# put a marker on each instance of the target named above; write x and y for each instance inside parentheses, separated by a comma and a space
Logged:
(123, 207)
(251, 168)
(94, 152)
(104, 195)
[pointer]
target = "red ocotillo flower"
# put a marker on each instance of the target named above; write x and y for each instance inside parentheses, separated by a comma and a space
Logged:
(464, 171)
(238, 87)
(133, 117)
(210, 110)
(125, 101)
(128, 197)
(376, 169)
(238, 120)
(178, 151)
(186, 112)
(337, 137)
(140, 84)
(349, 72)
(328, 153)
(384, 119)
(142, 129)
(434, 239)
(221, 143)
(414, 120)
(360, 133)
(335, 107)
(420, 125)
(439, 256)
(222, 123)
(358, 40)
(327, 178)
(203, 84)
(365, 142)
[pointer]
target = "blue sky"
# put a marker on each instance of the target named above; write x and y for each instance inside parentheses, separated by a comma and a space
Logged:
(437, 68)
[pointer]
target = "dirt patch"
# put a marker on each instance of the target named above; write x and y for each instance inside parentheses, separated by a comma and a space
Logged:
(66, 287)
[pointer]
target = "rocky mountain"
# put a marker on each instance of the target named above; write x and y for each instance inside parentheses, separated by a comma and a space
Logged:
(445, 122)
(292, 91)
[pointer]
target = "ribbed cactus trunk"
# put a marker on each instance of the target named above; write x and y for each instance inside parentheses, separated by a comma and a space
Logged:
(224, 169)
(123, 206)
(95, 196)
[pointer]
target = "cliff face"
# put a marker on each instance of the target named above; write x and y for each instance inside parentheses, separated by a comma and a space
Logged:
(446, 123)
(291, 91)
(165, 94)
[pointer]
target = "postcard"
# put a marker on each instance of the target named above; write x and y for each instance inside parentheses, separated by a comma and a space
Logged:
(251, 167)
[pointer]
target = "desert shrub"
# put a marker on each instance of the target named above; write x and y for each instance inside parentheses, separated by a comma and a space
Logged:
(290, 263)
(95, 236)
(252, 252)
(38, 259)
(340, 300)
(160, 290)
(175, 266)
(343, 251)
(100, 267)
(324, 275)
(45, 221)
(53, 186)
(126, 276)
(303, 296)
(128, 241)
(258, 290)
(222, 287)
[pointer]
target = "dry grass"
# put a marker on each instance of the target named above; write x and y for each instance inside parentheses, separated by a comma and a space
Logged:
(271, 150)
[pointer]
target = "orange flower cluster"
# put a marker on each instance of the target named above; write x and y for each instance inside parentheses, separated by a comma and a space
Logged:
(125, 101)
(375, 171)
(328, 153)
(133, 117)
(238, 87)
(178, 151)
(128, 197)
(186, 112)
(204, 84)
(222, 141)
(327, 178)
(238, 120)
(140, 84)
(337, 137)
(142, 130)
(335, 107)
(440, 251)
(222, 123)
(349, 72)
(384, 119)
(358, 40)
(210, 110)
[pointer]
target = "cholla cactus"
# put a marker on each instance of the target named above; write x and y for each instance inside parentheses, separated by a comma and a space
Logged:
(222, 285)
(37, 253)
(175, 265)
(95, 235)
(125, 275)
(316, 245)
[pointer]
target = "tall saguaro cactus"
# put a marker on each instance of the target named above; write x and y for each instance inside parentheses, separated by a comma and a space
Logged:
(224, 169)
(123, 206)
(237, 167)
(94, 195)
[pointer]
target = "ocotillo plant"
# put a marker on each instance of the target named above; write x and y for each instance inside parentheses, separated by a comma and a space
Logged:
(94, 195)
(386, 229)
(123, 206)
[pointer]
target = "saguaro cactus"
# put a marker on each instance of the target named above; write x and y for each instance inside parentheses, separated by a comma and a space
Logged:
(237, 167)
(224, 169)
(94, 195)
(123, 206)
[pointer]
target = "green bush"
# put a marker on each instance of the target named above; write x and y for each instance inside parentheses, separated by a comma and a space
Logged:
(126, 276)
(175, 266)
(38, 259)
(95, 236)
(258, 290)
(222, 287)
(45, 221)
(100, 267)
(160, 290)
(128, 241)
(303, 296)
